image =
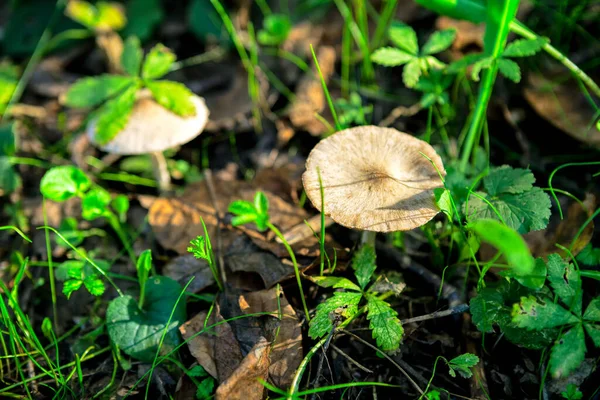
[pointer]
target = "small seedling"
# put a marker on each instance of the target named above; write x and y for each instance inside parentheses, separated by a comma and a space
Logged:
(416, 61)
(76, 273)
(384, 323)
(204, 385)
(201, 248)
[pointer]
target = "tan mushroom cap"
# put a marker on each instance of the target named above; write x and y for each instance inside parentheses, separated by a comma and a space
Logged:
(153, 128)
(374, 179)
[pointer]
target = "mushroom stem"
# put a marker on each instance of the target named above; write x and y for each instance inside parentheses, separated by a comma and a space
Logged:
(161, 172)
(368, 237)
(112, 45)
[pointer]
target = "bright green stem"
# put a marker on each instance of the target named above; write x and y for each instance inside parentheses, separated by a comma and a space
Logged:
(326, 90)
(278, 233)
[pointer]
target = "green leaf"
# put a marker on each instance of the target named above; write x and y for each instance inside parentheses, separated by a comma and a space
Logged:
(506, 179)
(524, 212)
(94, 285)
(261, 203)
(121, 205)
(341, 303)
(335, 282)
(513, 246)
(524, 47)
(565, 282)
(131, 58)
(158, 62)
(110, 16)
(8, 139)
(480, 65)
(241, 207)
(47, 329)
(244, 219)
(70, 286)
(594, 331)
(386, 327)
(205, 388)
(276, 29)
(589, 256)
(439, 41)
(509, 69)
(498, 17)
(138, 332)
(572, 392)
(83, 12)
(198, 248)
(592, 312)
(404, 37)
(567, 353)
(90, 92)
(95, 204)
(143, 267)
(463, 364)
(364, 265)
(173, 96)
(411, 73)
(391, 57)
(485, 308)
(69, 268)
(533, 314)
(114, 115)
(62, 183)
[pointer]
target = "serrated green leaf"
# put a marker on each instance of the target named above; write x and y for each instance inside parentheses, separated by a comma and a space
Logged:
(173, 96)
(593, 331)
(346, 302)
(534, 340)
(71, 286)
(568, 352)
(391, 57)
(485, 308)
(524, 212)
(197, 372)
(463, 364)
(335, 282)
(565, 282)
(411, 73)
(158, 62)
(90, 92)
(63, 271)
(131, 58)
(113, 116)
(589, 256)
(506, 179)
(384, 323)
(439, 41)
(62, 183)
(138, 332)
(94, 285)
(592, 312)
(509, 69)
(524, 47)
(572, 392)
(95, 204)
(404, 37)
(205, 389)
(198, 248)
(479, 65)
(364, 265)
(531, 313)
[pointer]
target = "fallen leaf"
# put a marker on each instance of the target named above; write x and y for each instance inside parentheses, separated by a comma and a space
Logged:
(562, 103)
(244, 382)
(184, 267)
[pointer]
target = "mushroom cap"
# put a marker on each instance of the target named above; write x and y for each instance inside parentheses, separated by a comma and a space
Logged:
(374, 179)
(153, 128)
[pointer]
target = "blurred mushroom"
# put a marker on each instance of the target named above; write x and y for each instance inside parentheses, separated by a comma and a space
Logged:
(374, 179)
(152, 129)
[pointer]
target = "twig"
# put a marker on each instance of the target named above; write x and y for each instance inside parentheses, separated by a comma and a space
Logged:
(213, 199)
(322, 358)
(353, 361)
(386, 356)
(400, 111)
(438, 314)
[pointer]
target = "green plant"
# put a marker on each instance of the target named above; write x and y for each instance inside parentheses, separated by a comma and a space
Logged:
(114, 96)
(572, 392)
(275, 31)
(100, 16)
(9, 78)
(417, 61)
(257, 212)
(205, 385)
(78, 273)
(65, 182)
(384, 323)
(461, 365)
(352, 111)
(201, 248)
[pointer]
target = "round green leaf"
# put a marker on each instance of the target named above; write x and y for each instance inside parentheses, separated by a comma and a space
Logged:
(138, 331)
(62, 183)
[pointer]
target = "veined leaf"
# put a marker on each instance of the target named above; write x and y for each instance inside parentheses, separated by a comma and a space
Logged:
(592, 312)
(344, 304)
(364, 265)
(404, 37)
(131, 58)
(391, 57)
(158, 62)
(506, 179)
(411, 73)
(533, 314)
(335, 282)
(439, 41)
(386, 327)
(90, 92)
(62, 183)
(485, 308)
(524, 47)
(173, 96)
(510, 69)
(463, 364)
(568, 352)
(565, 282)
(114, 115)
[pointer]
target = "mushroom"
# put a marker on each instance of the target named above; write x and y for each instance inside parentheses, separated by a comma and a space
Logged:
(152, 129)
(374, 179)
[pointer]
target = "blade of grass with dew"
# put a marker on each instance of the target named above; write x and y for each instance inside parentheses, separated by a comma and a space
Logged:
(326, 91)
(499, 15)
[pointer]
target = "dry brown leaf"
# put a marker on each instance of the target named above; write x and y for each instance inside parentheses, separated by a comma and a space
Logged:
(286, 352)
(184, 267)
(244, 382)
(564, 106)
(310, 98)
